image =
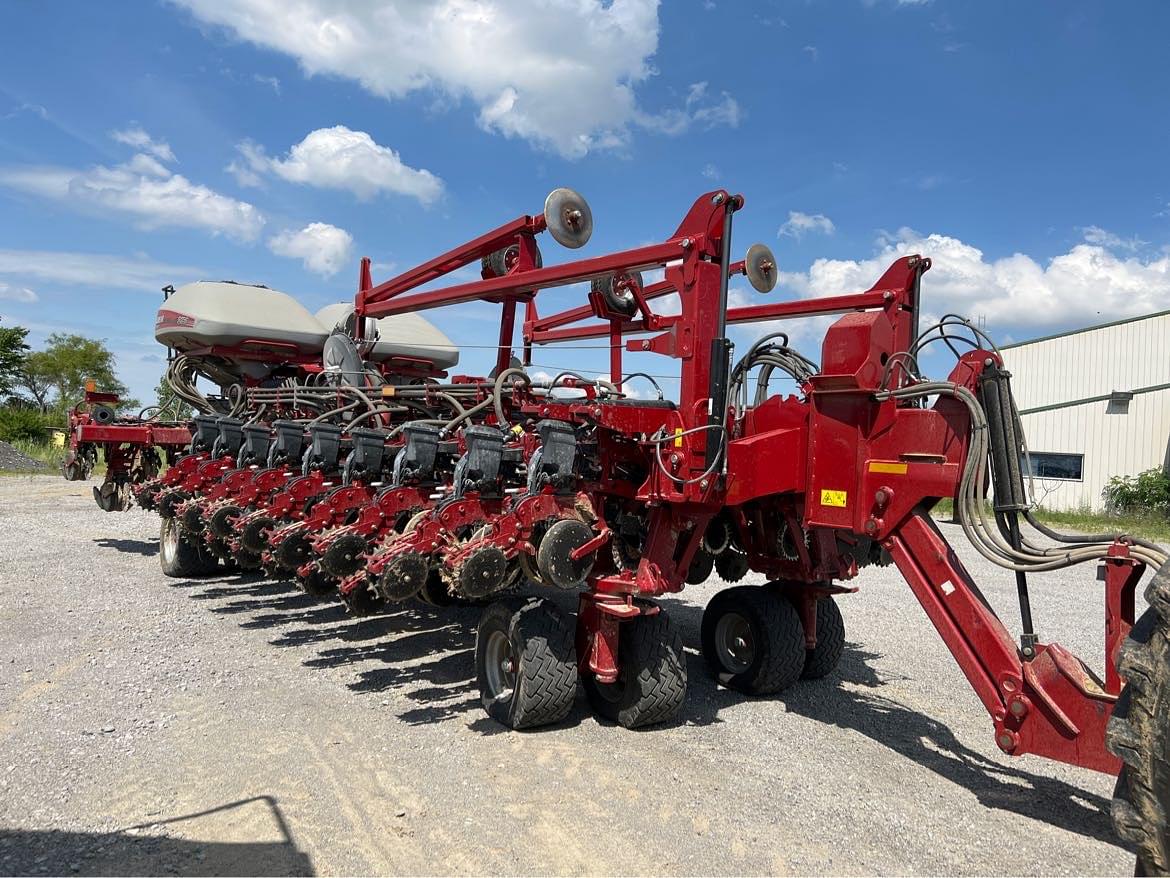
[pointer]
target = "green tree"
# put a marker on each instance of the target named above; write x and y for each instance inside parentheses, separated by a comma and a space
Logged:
(56, 376)
(171, 406)
(12, 353)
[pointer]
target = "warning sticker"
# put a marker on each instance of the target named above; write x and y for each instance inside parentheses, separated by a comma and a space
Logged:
(834, 498)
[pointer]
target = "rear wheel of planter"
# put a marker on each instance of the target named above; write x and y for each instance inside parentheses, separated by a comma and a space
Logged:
(753, 640)
(178, 558)
(524, 663)
(822, 660)
(652, 680)
(1139, 734)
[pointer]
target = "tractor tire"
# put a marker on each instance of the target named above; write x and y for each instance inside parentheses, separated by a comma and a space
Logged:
(178, 558)
(652, 683)
(753, 639)
(823, 658)
(525, 663)
(1139, 734)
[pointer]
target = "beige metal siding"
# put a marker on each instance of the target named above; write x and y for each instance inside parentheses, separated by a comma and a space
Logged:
(1112, 445)
(1091, 363)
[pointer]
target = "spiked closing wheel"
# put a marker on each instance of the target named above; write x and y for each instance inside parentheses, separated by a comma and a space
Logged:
(484, 572)
(403, 576)
(344, 557)
(568, 217)
(292, 552)
(192, 519)
(223, 520)
(760, 267)
(554, 556)
(254, 536)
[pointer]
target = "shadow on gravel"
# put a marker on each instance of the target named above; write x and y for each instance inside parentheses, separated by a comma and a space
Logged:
(907, 732)
(133, 851)
(148, 548)
(424, 654)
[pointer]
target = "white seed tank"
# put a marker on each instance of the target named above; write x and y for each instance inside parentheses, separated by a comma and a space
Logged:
(229, 314)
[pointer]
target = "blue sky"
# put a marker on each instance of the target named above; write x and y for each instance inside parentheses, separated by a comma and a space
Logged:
(1022, 146)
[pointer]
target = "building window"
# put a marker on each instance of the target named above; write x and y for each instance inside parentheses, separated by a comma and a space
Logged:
(1050, 465)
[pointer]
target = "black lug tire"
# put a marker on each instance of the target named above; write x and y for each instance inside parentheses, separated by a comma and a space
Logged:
(822, 660)
(541, 641)
(1139, 734)
(776, 630)
(702, 564)
(178, 558)
(731, 565)
(652, 683)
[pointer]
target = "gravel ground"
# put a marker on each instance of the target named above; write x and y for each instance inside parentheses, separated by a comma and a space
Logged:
(222, 726)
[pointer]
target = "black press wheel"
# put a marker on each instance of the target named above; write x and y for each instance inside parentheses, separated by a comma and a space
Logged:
(525, 663)
(822, 660)
(753, 640)
(179, 558)
(1139, 734)
(652, 682)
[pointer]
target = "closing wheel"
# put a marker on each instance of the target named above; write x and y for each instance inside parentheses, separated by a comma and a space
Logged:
(753, 640)
(701, 566)
(345, 556)
(179, 558)
(823, 658)
(403, 576)
(554, 556)
(652, 680)
(731, 565)
(254, 535)
(525, 663)
(317, 583)
(1139, 734)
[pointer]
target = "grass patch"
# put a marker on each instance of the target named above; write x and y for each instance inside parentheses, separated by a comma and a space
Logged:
(1150, 526)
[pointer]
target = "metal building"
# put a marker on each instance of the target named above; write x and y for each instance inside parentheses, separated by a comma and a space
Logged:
(1095, 403)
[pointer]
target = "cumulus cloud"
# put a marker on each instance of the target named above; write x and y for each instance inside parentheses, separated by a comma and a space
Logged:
(96, 269)
(1087, 284)
(324, 249)
(339, 158)
(142, 188)
(138, 139)
(17, 294)
(562, 73)
(800, 224)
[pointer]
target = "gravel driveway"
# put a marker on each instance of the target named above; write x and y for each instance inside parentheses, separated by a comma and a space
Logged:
(236, 726)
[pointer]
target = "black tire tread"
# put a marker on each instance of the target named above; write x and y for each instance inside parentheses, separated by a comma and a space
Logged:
(822, 659)
(653, 677)
(547, 680)
(1139, 735)
(782, 652)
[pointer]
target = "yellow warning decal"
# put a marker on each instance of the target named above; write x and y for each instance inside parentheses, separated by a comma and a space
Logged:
(834, 498)
(883, 466)
(678, 431)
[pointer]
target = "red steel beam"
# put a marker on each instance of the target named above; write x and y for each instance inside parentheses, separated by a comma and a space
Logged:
(527, 282)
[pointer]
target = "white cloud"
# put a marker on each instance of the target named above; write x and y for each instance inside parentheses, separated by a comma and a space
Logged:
(138, 139)
(710, 171)
(271, 81)
(561, 74)
(799, 224)
(96, 269)
(338, 158)
(813, 52)
(17, 294)
(1104, 238)
(142, 188)
(323, 248)
(1087, 284)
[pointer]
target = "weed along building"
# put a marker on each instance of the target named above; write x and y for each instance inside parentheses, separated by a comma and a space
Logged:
(1095, 403)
